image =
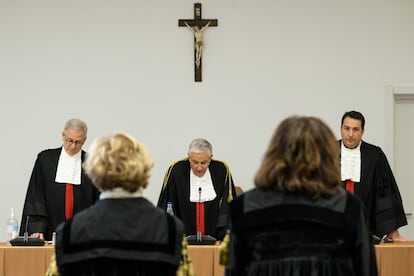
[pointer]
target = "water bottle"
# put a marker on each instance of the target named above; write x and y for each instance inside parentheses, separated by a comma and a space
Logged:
(170, 208)
(12, 226)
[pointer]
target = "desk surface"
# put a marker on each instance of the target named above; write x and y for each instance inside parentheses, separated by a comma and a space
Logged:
(392, 259)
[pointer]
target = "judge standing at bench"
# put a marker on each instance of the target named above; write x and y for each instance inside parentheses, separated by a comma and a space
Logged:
(200, 189)
(365, 172)
(58, 187)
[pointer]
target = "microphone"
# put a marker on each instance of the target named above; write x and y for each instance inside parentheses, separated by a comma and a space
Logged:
(26, 232)
(200, 239)
(26, 240)
(198, 221)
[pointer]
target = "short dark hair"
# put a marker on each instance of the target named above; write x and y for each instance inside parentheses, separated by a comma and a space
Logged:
(354, 115)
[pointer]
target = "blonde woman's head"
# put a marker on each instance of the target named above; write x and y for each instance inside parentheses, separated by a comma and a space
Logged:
(118, 161)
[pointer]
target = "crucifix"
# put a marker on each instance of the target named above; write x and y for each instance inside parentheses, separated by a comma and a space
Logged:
(197, 27)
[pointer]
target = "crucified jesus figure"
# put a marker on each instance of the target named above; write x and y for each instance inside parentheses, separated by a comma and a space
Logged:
(198, 35)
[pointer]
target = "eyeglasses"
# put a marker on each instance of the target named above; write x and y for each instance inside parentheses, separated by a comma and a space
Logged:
(203, 164)
(70, 142)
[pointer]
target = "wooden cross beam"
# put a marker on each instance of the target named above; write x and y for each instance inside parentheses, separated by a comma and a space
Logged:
(197, 26)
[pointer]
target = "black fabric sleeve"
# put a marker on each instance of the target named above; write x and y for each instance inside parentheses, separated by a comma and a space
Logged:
(229, 193)
(389, 215)
(164, 194)
(363, 256)
(35, 205)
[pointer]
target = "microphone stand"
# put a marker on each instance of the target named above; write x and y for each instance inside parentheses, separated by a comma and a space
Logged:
(26, 232)
(200, 239)
(26, 240)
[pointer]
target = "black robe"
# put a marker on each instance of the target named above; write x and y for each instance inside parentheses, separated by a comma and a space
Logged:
(273, 233)
(176, 189)
(45, 198)
(379, 192)
(123, 236)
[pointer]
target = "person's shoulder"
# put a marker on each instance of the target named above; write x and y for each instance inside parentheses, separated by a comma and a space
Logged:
(179, 163)
(218, 161)
(252, 195)
(219, 164)
(237, 206)
(365, 144)
(250, 201)
(156, 213)
(370, 148)
(49, 152)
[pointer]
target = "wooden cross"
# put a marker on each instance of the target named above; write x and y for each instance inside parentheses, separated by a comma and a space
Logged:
(197, 26)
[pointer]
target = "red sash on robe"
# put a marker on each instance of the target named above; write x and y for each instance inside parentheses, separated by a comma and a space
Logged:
(69, 201)
(200, 217)
(349, 186)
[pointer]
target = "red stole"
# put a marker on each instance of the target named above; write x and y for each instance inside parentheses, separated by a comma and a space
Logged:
(200, 217)
(69, 201)
(349, 186)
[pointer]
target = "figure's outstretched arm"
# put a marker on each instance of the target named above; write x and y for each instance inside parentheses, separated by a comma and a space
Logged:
(206, 26)
(188, 26)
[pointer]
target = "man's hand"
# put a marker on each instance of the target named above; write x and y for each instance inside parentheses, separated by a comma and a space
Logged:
(395, 236)
(37, 235)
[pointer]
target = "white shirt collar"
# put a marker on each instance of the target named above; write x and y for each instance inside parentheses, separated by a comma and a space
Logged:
(120, 193)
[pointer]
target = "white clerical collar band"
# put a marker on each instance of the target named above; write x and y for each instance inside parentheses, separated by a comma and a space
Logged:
(348, 149)
(201, 188)
(69, 168)
(120, 193)
(351, 163)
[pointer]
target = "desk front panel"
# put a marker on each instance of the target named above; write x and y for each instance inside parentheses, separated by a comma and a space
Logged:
(34, 260)
(30, 260)
(393, 259)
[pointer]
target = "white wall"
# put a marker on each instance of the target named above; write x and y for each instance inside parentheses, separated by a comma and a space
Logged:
(126, 65)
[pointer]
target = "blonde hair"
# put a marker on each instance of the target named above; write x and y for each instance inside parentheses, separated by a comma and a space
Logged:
(118, 161)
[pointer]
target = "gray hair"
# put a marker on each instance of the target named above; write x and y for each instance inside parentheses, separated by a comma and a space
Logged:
(76, 124)
(200, 145)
